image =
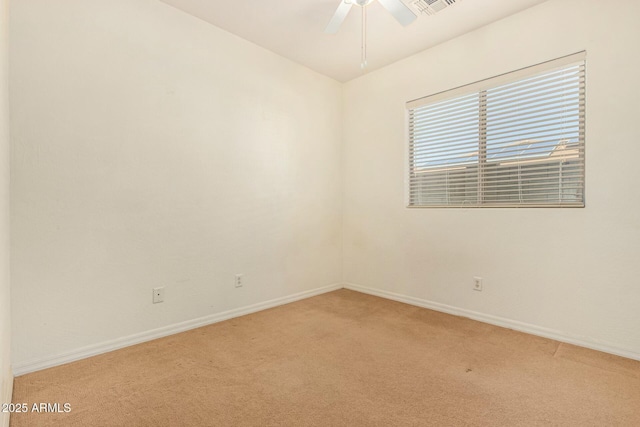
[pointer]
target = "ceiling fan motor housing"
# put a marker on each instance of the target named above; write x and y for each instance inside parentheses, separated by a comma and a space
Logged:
(358, 2)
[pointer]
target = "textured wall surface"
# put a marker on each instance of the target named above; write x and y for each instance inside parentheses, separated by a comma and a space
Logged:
(5, 311)
(571, 270)
(152, 149)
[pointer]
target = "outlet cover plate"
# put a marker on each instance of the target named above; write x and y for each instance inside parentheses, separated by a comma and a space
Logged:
(158, 295)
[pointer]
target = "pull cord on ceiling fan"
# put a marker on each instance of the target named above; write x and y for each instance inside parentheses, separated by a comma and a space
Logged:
(397, 8)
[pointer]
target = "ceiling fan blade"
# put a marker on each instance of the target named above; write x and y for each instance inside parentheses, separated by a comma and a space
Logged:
(338, 17)
(399, 10)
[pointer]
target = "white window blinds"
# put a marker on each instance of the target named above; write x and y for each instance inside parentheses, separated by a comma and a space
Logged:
(513, 140)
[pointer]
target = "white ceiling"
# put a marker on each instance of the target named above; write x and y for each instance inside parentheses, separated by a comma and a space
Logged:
(295, 29)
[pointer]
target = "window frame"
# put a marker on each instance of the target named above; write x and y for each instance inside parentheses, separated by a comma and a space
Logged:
(481, 87)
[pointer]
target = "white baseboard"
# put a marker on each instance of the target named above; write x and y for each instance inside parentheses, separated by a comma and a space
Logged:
(499, 321)
(23, 368)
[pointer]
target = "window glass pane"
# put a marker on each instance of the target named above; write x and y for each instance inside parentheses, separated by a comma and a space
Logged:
(515, 143)
(533, 128)
(445, 152)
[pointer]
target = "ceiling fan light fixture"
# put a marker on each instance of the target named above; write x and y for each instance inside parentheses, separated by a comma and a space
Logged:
(358, 2)
(397, 8)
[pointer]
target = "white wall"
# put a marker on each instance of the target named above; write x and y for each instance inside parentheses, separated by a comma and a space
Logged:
(153, 149)
(6, 377)
(571, 271)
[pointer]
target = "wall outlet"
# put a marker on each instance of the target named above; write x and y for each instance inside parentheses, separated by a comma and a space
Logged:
(477, 283)
(158, 295)
(239, 279)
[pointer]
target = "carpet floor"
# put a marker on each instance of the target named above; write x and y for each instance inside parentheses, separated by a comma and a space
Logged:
(340, 359)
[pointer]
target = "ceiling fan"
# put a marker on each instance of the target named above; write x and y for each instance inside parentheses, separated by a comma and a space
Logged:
(397, 8)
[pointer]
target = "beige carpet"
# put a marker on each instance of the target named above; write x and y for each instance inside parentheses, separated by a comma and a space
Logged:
(341, 359)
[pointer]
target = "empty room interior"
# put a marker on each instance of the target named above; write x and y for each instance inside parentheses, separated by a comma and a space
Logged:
(319, 213)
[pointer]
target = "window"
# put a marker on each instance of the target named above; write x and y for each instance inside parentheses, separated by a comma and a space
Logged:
(510, 141)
